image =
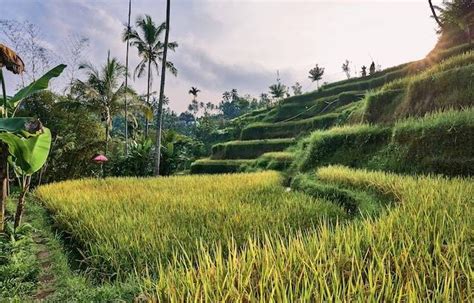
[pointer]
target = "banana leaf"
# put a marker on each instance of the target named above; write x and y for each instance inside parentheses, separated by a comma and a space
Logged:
(28, 155)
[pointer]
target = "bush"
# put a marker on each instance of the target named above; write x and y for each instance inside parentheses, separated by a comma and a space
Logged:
(248, 149)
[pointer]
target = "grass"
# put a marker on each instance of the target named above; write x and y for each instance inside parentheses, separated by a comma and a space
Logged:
(347, 145)
(419, 251)
(296, 104)
(208, 166)
(288, 129)
(150, 222)
(274, 160)
(437, 143)
(447, 85)
(250, 149)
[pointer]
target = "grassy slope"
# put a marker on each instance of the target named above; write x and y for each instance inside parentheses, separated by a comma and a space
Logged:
(412, 89)
(438, 143)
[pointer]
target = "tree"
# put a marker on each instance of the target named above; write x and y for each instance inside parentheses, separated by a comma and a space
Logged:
(458, 13)
(297, 89)
(316, 74)
(159, 119)
(264, 100)
(435, 16)
(194, 91)
(372, 68)
(364, 71)
(72, 55)
(27, 39)
(103, 91)
(128, 30)
(151, 51)
(346, 68)
(278, 90)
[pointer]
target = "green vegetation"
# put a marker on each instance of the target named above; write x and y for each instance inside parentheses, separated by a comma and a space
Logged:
(175, 217)
(438, 143)
(444, 86)
(208, 166)
(274, 160)
(249, 149)
(288, 129)
(420, 250)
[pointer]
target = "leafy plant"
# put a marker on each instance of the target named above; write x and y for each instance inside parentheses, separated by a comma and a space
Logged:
(25, 142)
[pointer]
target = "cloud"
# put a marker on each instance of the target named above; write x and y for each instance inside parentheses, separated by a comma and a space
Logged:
(240, 44)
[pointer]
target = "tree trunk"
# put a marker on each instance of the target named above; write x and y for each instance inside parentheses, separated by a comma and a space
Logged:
(3, 183)
(434, 14)
(126, 78)
(159, 121)
(148, 96)
(21, 201)
(107, 130)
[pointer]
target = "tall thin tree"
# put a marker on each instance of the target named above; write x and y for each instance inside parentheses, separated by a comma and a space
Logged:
(159, 121)
(126, 76)
(146, 38)
(434, 14)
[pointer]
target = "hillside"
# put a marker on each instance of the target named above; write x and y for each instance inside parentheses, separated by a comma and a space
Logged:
(392, 120)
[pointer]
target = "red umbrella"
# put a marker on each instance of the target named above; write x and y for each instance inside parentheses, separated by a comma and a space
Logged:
(99, 159)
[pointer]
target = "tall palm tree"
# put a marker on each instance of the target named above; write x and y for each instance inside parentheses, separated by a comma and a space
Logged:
(103, 91)
(194, 91)
(159, 121)
(126, 75)
(146, 38)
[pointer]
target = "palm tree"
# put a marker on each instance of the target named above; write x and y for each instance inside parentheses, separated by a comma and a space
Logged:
(151, 50)
(194, 91)
(159, 121)
(103, 91)
(278, 90)
(316, 74)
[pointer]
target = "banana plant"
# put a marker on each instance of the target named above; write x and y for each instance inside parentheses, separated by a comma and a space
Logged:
(28, 152)
(25, 143)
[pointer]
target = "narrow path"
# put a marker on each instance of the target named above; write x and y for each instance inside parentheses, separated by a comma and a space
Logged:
(46, 276)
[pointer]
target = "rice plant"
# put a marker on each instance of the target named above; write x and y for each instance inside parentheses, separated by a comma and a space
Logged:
(419, 251)
(122, 224)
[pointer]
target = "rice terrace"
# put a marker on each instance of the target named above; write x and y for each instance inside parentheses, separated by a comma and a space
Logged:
(237, 151)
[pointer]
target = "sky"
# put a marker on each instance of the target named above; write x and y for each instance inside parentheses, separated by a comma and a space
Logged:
(225, 44)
